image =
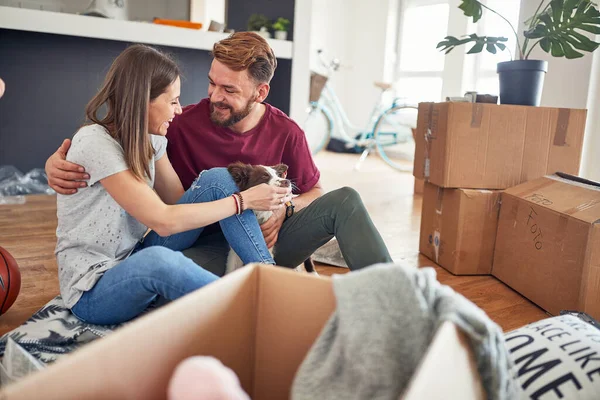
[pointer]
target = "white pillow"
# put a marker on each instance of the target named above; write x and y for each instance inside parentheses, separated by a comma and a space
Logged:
(556, 358)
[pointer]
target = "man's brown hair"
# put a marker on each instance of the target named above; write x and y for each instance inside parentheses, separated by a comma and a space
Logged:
(247, 51)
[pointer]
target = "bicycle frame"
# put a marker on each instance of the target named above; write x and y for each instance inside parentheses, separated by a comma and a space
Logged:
(341, 126)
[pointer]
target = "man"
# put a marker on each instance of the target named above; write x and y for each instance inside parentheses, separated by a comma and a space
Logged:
(234, 124)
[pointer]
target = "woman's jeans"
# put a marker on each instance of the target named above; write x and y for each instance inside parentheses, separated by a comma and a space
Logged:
(157, 269)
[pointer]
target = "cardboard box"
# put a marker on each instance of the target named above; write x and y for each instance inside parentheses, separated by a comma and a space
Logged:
(489, 146)
(257, 322)
(419, 186)
(548, 243)
(458, 228)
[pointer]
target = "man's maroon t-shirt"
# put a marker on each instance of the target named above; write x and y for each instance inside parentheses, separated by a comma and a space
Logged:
(196, 144)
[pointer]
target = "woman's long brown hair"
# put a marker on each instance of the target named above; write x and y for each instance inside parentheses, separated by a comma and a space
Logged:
(137, 76)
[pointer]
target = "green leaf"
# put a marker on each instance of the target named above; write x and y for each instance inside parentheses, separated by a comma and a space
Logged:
(557, 10)
(556, 49)
(472, 8)
(590, 28)
(580, 41)
(570, 4)
(545, 45)
(569, 51)
(477, 48)
(560, 25)
(536, 32)
(451, 42)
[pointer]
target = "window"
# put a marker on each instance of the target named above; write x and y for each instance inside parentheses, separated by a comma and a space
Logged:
(485, 77)
(420, 64)
(424, 73)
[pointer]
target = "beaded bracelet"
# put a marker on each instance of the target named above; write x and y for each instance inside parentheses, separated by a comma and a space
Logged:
(237, 204)
(241, 202)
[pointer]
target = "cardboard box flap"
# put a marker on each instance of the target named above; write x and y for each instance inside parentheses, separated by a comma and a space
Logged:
(577, 179)
(449, 351)
(565, 194)
(137, 361)
(292, 311)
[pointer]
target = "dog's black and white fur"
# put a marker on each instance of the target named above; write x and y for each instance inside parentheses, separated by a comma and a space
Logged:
(247, 176)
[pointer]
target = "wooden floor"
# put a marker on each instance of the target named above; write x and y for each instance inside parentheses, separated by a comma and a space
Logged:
(28, 233)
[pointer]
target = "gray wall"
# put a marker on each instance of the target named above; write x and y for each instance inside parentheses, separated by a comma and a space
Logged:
(137, 10)
(50, 78)
(239, 11)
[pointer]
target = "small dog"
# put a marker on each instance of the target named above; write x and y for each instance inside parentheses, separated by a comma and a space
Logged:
(247, 176)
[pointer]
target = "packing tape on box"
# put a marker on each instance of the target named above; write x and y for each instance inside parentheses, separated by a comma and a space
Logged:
(476, 115)
(439, 203)
(582, 207)
(437, 236)
(562, 126)
(563, 222)
(428, 137)
(492, 207)
(436, 245)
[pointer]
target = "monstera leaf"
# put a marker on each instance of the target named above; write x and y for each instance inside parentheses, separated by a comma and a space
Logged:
(472, 8)
(557, 27)
(490, 43)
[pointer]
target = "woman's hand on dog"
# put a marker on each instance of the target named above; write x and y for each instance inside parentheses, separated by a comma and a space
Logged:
(266, 197)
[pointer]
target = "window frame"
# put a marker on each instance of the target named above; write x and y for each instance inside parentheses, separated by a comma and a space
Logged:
(459, 73)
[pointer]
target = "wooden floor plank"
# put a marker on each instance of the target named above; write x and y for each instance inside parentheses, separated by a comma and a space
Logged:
(28, 232)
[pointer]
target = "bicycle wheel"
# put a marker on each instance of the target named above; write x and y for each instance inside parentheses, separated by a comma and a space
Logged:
(317, 128)
(393, 134)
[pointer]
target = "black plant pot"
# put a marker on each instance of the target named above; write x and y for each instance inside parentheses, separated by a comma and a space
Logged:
(522, 81)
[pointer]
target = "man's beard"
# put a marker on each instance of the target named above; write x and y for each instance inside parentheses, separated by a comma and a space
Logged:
(235, 116)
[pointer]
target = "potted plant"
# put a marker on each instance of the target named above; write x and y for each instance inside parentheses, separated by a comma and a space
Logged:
(557, 26)
(260, 24)
(281, 28)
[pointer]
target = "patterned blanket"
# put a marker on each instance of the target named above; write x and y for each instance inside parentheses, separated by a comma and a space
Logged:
(51, 333)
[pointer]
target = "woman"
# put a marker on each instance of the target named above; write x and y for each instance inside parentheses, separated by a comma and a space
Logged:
(107, 273)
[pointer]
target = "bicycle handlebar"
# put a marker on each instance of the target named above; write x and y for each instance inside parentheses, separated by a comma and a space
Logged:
(333, 65)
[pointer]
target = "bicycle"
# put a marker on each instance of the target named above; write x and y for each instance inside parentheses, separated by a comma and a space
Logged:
(389, 130)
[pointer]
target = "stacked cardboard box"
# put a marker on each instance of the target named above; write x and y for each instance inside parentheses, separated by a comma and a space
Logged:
(548, 243)
(468, 219)
(468, 152)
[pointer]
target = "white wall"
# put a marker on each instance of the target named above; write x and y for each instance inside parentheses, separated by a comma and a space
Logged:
(330, 35)
(367, 38)
(357, 36)
(206, 10)
(299, 88)
(590, 163)
(573, 84)
(567, 81)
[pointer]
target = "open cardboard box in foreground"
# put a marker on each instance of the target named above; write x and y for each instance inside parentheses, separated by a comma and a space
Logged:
(260, 321)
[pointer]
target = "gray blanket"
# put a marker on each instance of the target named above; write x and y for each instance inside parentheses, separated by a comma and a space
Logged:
(385, 319)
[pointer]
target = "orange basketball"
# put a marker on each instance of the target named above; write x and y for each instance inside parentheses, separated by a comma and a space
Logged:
(10, 280)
